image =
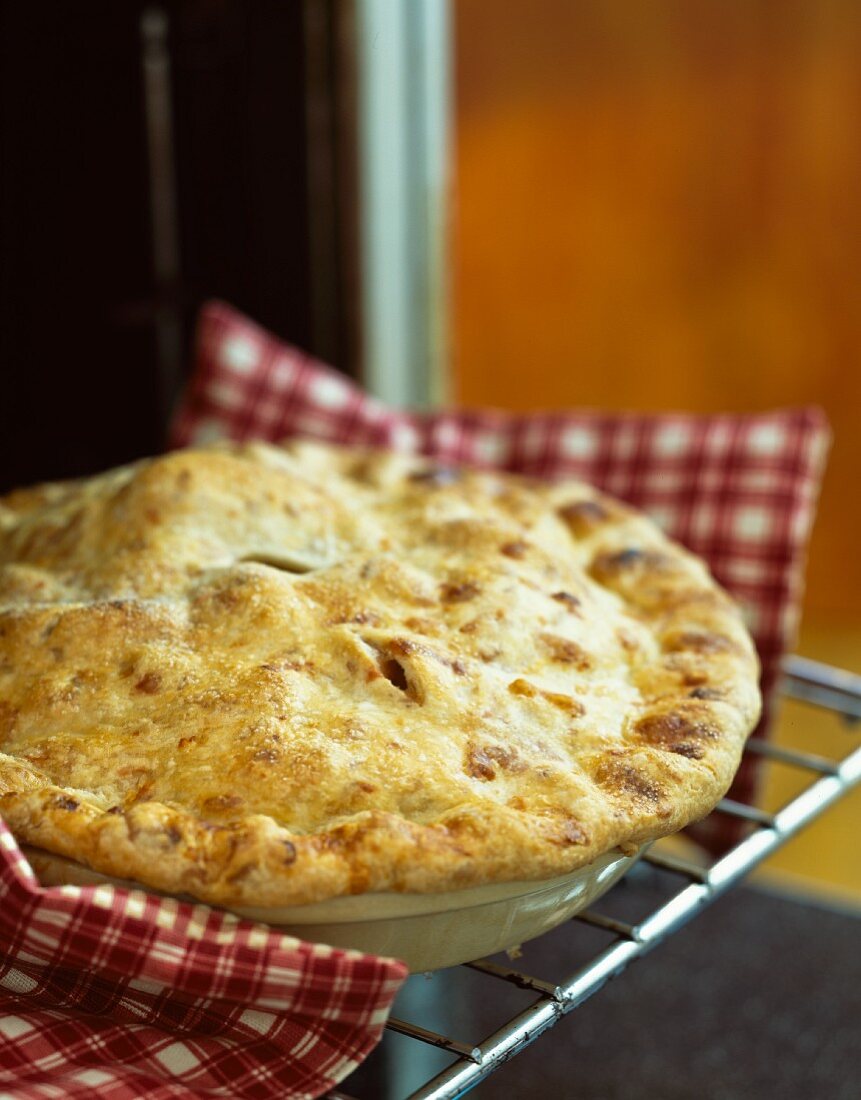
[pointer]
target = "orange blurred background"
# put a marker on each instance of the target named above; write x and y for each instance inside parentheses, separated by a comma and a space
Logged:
(657, 207)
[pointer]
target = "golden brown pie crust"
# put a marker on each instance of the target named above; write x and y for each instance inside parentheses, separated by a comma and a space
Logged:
(267, 675)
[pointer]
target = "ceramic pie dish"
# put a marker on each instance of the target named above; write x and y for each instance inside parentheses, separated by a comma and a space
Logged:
(426, 931)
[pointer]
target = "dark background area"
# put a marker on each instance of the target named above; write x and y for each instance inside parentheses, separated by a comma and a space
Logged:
(78, 300)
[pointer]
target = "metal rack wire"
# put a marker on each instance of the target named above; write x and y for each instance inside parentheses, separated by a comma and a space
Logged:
(696, 887)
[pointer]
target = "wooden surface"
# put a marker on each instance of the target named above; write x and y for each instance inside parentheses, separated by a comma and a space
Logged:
(657, 206)
(824, 859)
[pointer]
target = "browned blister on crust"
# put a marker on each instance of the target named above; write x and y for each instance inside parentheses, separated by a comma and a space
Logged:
(264, 675)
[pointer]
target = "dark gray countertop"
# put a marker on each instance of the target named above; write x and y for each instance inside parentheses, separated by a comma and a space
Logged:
(759, 997)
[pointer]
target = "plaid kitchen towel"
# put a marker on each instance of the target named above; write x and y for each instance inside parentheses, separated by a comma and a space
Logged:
(118, 994)
(740, 491)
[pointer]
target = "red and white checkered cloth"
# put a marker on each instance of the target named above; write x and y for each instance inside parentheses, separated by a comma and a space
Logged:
(740, 491)
(118, 994)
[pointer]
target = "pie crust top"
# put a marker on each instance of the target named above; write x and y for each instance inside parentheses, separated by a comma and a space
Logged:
(264, 675)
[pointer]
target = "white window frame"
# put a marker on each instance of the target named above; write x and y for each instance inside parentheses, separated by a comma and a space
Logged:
(404, 108)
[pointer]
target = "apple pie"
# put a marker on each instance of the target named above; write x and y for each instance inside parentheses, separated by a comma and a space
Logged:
(261, 675)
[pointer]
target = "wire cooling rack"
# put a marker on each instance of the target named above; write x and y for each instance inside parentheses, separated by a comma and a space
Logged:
(692, 887)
